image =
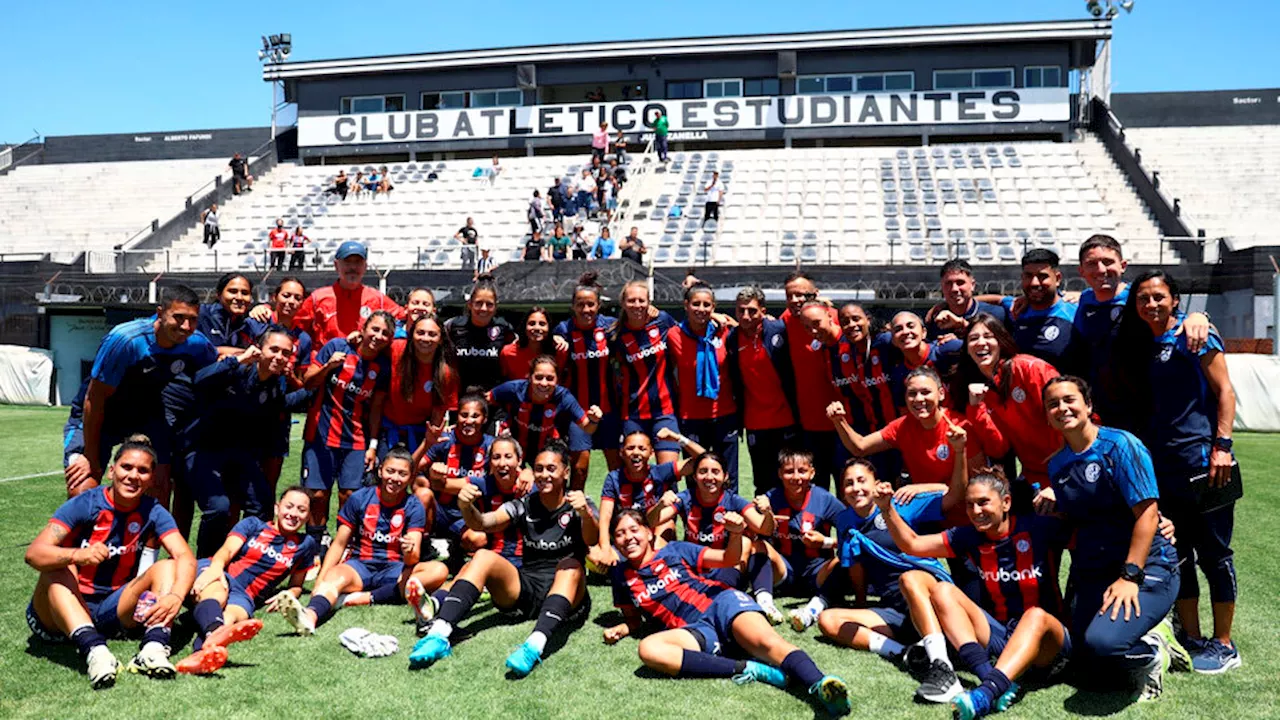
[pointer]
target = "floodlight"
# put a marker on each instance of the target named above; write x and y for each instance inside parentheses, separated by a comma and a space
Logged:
(287, 38)
(1095, 8)
(1127, 5)
(275, 41)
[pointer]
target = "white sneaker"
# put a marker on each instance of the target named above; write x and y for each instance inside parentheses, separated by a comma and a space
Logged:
(801, 619)
(1150, 678)
(103, 668)
(153, 661)
(771, 611)
(295, 614)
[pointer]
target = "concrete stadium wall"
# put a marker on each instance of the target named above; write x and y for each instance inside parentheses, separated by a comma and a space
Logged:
(174, 145)
(1192, 109)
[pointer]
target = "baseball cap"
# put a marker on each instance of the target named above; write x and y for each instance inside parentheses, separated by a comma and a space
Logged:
(351, 247)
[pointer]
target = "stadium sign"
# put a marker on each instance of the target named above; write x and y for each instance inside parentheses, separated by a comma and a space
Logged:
(713, 114)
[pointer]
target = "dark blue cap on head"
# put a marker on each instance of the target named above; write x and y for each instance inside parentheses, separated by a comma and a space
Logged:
(352, 247)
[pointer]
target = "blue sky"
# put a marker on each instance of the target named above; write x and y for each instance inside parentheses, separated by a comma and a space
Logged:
(87, 66)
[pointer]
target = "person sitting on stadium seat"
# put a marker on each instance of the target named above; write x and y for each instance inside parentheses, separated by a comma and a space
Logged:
(340, 185)
(633, 248)
(384, 182)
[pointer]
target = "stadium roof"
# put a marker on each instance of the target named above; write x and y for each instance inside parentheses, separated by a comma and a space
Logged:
(1082, 30)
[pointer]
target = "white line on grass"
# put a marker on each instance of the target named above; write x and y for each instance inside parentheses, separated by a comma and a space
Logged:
(31, 476)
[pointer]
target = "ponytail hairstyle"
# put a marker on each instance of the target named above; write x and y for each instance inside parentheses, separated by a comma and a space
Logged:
(588, 281)
(711, 456)
(387, 317)
(992, 477)
(699, 287)
(540, 359)
(556, 446)
(280, 286)
(927, 372)
(136, 441)
(475, 395)
(268, 331)
(443, 373)
(507, 438)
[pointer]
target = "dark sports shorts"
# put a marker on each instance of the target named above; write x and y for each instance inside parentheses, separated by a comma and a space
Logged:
(535, 584)
(608, 435)
(1001, 632)
(714, 630)
(236, 593)
(321, 465)
(804, 582)
(103, 612)
(376, 573)
(651, 427)
(896, 616)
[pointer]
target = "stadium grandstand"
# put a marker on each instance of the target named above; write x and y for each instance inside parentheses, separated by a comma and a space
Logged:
(869, 156)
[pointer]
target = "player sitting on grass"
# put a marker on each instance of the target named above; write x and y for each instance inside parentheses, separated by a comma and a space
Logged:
(88, 556)
(386, 521)
(252, 562)
(702, 615)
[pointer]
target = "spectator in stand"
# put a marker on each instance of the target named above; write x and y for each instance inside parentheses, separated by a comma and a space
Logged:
(298, 251)
(484, 266)
(587, 192)
(715, 192)
(384, 181)
(358, 185)
(633, 247)
(535, 213)
(240, 178)
(555, 196)
(338, 310)
(609, 197)
(600, 141)
(495, 169)
(535, 248)
(618, 172)
(620, 147)
(581, 248)
(559, 244)
(470, 237)
(660, 127)
(340, 184)
(604, 246)
(278, 241)
(371, 183)
(596, 95)
(211, 232)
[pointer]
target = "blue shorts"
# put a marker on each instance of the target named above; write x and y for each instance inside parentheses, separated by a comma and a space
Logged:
(608, 435)
(803, 583)
(651, 428)
(1001, 632)
(410, 435)
(376, 573)
(103, 612)
(893, 612)
(236, 594)
(714, 630)
(280, 446)
(159, 432)
(321, 465)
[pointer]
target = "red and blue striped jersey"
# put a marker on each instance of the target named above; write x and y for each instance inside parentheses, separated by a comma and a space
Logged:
(340, 412)
(704, 524)
(534, 423)
(648, 379)
(818, 512)
(91, 517)
(1018, 571)
(587, 372)
(640, 495)
(300, 360)
(460, 460)
(670, 588)
(683, 350)
(267, 556)
(862, 384)
(378, 527)
(509, 542)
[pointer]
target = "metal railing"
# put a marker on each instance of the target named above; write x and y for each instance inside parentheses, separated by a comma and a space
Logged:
(8, 154)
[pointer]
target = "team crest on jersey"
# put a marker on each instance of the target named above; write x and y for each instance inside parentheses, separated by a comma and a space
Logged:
(1051, 332)
(549, 412)
(262, 397)
(648, 487)
(719, 516)
(373, 374)
(289, 545)
(1166, 352)
(134, 527)
(880, 523)
(1115, 313)
(875, 359)
(564, 519)
(806, 526)
(176, 366)
(479, 456)
(599, 335)
(365, 312)
(654, 333)
(815, 345)
(495, 332)
(844, 357)
(426, 386)
(396, 521)
(944, 451)
(1023, 545)
(1092, 472)
(1018, 395)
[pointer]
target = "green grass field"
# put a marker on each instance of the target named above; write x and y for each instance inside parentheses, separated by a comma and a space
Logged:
(279, 675)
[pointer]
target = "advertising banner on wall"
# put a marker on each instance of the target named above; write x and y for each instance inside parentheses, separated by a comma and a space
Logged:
(706, 115)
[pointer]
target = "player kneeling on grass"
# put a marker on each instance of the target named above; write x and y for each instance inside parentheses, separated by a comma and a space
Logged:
(251, 563)
(557, 526)
(386, 521)
(902, 626)
(702, 616)
(796, 553)
(88, 556)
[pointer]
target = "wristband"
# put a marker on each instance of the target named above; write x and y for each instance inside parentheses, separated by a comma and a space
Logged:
(373, 444)
(828, 543)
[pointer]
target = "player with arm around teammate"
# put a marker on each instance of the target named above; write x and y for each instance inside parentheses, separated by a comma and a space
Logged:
(253, 561)
(88, 556)
(642, 485)
(703, 618)
(558, 525)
